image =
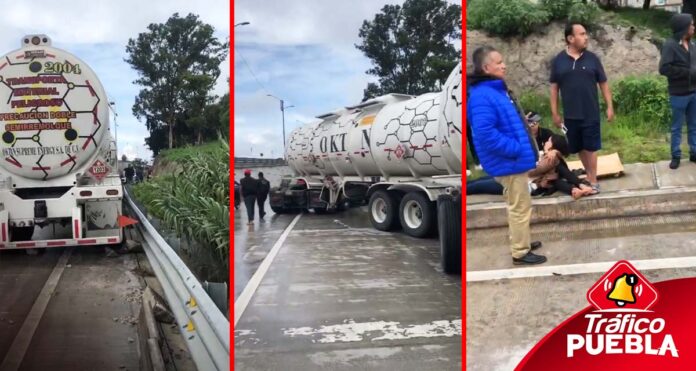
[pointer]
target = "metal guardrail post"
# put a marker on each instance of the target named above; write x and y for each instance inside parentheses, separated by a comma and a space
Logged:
(203, 326)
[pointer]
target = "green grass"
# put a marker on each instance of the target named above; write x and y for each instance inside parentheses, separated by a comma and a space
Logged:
(656, 20)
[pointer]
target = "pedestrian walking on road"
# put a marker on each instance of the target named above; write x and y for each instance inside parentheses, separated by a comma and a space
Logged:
(504, 145)
(249, 191)
(575, 73)
(678, 63)
(264, 188)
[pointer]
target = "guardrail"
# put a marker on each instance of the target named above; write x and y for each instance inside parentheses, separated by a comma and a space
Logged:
(244, 162)
(204, 328)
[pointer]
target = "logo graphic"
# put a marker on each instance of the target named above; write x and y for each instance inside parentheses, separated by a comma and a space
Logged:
(622, 288)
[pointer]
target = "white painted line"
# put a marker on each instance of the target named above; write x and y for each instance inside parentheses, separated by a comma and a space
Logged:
(15, 356)
(351, 331)
(245, 297)
(572, 269)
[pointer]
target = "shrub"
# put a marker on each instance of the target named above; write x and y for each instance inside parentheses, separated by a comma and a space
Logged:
(586, 14)
(506, 17)
(195, 201)
(645, 97)
(557, 9)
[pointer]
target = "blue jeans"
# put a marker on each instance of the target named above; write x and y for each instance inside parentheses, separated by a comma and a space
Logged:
(485, 185)
(683, 106)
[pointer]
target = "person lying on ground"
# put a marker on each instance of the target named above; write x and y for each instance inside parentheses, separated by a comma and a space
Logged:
(484, 186)
(552, 173)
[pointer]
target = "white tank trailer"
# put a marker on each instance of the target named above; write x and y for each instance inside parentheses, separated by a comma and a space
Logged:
(400, 154)
(59, 182)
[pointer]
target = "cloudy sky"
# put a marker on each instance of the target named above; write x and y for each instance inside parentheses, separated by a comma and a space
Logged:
(97, 32)
(301, 51)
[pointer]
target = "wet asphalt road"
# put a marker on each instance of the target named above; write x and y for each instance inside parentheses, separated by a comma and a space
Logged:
(342, 296)
(89, 321)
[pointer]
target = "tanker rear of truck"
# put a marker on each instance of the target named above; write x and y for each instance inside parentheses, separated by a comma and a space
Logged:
(59, 182)
(400, 155)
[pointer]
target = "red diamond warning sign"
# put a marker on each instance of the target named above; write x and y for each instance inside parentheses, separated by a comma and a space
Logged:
(399, 152)
(623, 287)
(99, 170)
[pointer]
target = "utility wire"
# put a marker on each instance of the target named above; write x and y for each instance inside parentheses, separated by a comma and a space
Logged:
(250, 70)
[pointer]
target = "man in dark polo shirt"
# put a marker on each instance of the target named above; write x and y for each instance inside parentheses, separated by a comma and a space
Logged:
(576, 72)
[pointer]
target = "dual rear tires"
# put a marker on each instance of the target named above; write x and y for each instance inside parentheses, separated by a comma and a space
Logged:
(419, 217)
(413, 212)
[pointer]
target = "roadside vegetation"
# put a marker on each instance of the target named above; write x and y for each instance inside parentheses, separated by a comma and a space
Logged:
(194, 200)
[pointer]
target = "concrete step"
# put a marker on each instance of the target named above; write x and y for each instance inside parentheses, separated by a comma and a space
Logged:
(646, 189)
(576, 242)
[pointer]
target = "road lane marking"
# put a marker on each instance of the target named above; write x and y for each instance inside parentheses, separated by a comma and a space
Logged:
(15, 356)
(351, 331)
(244, 298)
(574, 269)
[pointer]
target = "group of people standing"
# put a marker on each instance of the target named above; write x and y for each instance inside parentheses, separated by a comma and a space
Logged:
(254, 191)
(508, 142)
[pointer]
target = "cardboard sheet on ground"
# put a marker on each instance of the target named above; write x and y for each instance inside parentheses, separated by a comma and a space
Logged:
(607, 166)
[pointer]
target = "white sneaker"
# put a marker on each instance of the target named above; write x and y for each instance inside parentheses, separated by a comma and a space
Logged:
(532, 187)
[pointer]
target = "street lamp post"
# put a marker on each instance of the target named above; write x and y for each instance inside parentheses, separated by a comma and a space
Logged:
(282, 112)
(111, 105)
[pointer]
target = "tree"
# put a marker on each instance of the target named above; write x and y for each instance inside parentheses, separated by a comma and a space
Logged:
(178, 64)
(646, 4)
(411, 47)
(211, 122)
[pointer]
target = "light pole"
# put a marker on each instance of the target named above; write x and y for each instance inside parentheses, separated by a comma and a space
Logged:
(282, 112)
(111, 105)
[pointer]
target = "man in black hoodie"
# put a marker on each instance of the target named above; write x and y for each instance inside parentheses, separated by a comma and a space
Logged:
(250, 187)
(264, 188)
(678, 63)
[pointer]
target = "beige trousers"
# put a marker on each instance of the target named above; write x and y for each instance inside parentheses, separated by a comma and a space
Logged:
(516, 193)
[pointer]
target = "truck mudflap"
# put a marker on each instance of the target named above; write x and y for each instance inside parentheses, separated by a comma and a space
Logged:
(449, 216)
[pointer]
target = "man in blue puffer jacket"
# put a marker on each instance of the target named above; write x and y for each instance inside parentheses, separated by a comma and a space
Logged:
(504, 146)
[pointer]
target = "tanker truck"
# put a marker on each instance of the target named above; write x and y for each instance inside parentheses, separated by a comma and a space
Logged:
(399, 154)
(59, 182)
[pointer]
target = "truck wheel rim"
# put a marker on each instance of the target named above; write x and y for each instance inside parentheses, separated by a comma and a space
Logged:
(379, 210)
(413, 214)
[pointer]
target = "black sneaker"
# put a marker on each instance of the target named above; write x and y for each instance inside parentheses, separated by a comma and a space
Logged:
(529, 259)
(674, 164)
(535, 245)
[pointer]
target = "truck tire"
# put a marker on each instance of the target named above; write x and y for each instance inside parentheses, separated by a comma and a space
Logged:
(21, 233)
(278, 210)
(384, 209)
(450, 227)
(417, 214)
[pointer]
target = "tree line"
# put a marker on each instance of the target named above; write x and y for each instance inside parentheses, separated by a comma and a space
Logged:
(178, 63)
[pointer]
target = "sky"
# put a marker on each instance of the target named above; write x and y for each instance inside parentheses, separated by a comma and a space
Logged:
(97, 32)
(302, 51)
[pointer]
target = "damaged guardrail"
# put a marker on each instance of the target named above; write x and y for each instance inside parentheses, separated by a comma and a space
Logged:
(203, 326)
